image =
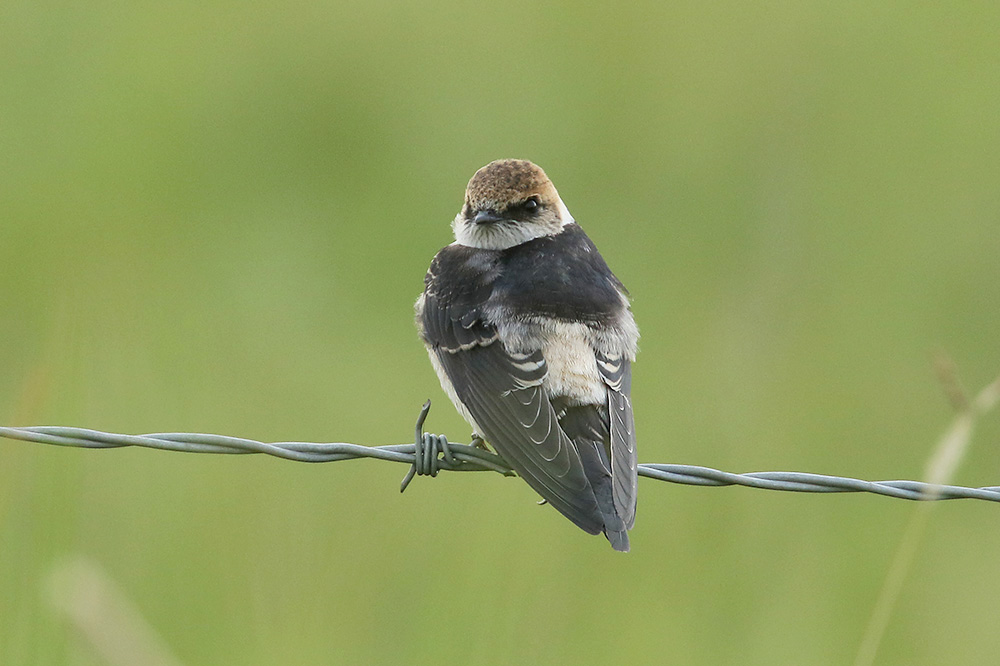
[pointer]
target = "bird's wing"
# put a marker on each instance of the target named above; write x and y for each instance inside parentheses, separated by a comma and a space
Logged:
(616, 371)
(503, 393)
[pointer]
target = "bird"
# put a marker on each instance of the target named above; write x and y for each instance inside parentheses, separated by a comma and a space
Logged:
(532, 338)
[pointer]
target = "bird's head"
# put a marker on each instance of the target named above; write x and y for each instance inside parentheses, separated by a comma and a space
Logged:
(509, 202)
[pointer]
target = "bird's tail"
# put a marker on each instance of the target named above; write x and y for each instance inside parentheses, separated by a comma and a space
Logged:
(618, 539)
(589, 432)
(596, 468)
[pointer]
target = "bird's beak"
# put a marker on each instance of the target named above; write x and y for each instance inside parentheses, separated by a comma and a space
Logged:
(487, 217)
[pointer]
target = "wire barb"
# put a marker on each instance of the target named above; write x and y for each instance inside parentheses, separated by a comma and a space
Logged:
(431, 453)
(426, 447)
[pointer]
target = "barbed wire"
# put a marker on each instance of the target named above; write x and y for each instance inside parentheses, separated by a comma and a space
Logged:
(430, 453)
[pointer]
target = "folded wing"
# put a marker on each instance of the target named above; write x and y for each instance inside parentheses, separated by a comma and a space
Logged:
(616, 371)
(503, 393)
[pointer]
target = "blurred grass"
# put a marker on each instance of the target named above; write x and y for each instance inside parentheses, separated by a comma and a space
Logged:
(216, 217)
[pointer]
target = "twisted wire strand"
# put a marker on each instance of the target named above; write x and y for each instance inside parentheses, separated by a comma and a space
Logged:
(430, 453)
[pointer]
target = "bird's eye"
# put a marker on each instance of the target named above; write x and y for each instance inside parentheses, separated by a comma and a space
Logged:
(531, 205)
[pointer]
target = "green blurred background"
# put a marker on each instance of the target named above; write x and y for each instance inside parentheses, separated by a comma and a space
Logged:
(215, 216)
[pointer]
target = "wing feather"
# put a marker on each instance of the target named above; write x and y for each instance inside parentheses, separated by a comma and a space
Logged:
(616, 371)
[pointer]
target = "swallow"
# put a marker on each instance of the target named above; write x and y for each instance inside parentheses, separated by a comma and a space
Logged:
(532, 338)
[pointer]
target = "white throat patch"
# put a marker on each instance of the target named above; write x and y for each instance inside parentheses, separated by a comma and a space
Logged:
(504, 235)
